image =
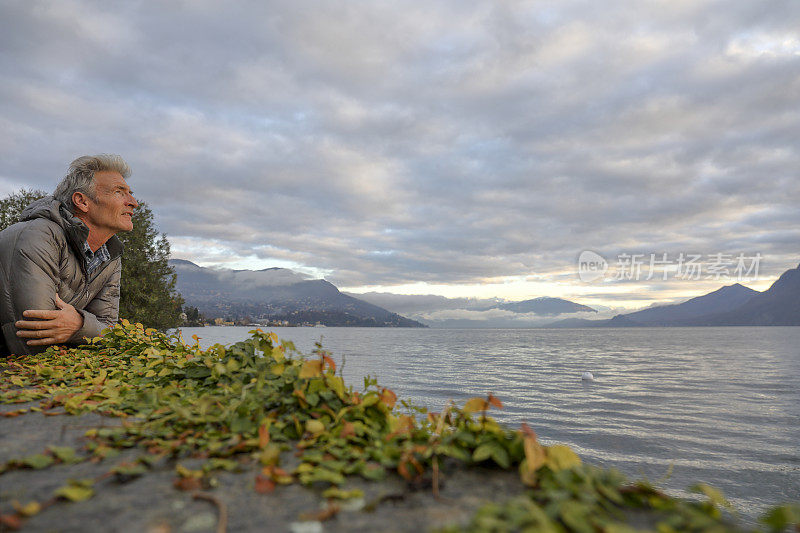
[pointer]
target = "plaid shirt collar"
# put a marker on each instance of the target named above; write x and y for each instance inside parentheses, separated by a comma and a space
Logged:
(95, 259)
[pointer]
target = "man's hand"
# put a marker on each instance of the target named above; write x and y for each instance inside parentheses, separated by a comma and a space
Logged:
(54, 327)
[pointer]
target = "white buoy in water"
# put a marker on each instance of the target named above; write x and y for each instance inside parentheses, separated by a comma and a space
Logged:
(587, 376)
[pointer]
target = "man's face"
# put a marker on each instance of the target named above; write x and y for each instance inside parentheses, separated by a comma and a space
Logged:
(113, 208)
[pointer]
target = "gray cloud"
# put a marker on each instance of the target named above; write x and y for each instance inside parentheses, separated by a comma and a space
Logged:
(446, 143)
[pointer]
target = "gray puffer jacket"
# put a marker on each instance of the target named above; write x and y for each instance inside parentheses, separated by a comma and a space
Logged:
(42, 256)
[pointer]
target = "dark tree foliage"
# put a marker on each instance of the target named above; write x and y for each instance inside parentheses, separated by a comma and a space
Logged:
(148, 282)
(11, 206)
(193, 317)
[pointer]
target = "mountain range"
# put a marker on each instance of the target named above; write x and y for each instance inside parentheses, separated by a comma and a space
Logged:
(733, 305)
(276, 294)
(282, 294)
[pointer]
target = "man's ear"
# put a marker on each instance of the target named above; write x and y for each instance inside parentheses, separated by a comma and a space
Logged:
(81, 201)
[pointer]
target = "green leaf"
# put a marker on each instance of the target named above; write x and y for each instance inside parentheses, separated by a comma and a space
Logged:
(714, 496)
(76, 491)
(130, 469)
(38, 461)
(65, 454)
(198, 372)
(482, 452)
(500, 456)
(781, 517)
(320, 474)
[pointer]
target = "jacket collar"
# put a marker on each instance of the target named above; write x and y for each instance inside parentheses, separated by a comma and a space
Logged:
(75, 230)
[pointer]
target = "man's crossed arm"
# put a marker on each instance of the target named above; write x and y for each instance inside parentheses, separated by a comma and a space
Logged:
(50, 326)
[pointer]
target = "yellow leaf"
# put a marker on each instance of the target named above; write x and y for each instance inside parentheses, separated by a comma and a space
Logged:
(278, 369)
(560, 457)
(527, 474)
(75, 493)
(311, 369)
(336, 384)
(182, 471)
(535, 457)
(270, 455)
(28, 509)
(315, 427)
(476, 404)
(534, 453)
(279, 353)
(336, 492)
(303, 468)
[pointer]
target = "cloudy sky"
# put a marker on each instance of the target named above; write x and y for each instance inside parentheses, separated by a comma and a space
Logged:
(456, 148)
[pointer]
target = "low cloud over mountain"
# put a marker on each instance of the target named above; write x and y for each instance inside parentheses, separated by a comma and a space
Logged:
(481, 312)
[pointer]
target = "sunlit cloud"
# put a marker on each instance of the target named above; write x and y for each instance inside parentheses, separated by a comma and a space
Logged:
(449, 148)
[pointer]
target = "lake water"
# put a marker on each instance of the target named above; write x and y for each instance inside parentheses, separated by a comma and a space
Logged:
(718, 405)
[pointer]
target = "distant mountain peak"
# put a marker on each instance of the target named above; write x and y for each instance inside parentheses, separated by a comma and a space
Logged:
(735, 288)
(546, 305)
(276, 293)
(184, 264)
(732, 305)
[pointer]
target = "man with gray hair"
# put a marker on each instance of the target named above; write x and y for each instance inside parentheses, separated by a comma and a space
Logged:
(60, 265)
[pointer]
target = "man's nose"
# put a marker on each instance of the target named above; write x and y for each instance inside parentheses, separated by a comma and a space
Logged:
(132, 201)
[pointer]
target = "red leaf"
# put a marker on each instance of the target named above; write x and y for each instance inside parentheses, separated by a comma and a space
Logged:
(187, 483)
(264, 484)
(403, 470)
(526, 429)
(321, 515)
(263, 435)
(11, 520)
(331, 363)
(347, 429)
(494, 401)
(388, 397)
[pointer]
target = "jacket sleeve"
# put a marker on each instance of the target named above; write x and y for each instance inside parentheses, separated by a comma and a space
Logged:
(103, 310)
(33, 274)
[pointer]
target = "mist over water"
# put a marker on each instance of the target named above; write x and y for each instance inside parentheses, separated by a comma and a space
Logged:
(717, 405)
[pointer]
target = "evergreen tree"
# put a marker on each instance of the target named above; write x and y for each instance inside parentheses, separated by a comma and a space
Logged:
(148, 282)
(11, 206)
